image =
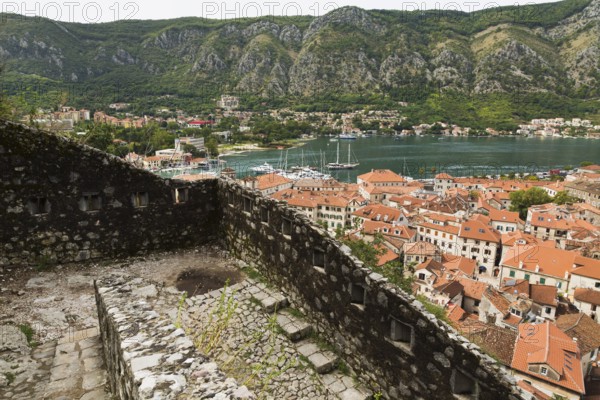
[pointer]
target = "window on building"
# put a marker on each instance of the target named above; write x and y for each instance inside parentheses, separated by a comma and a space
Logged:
(422, 276)
(180, 195)
(526, 277)
(90, 202)
(139, 199)
(542, 281)
(286, 227)
(319, 259)
(462, 384)
(548, 310)
(38, 205)
(597, 284)
(358, 294)
(401, 332)
(264, 215)
(247, 204)
(559, 285)
(544, 371)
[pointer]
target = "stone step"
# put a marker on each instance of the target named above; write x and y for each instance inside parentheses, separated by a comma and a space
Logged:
(322, 360)
(344, 387)
(78, 368)
(271, 301)
(293, 327)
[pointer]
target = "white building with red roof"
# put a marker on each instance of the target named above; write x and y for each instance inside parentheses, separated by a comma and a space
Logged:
(549, 360)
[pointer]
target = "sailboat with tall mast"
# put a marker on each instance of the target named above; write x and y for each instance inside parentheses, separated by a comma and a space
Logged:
(338, 165)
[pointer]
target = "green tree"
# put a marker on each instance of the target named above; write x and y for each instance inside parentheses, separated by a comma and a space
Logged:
(521, 200)
(188, 148)
(563, 197)
(364, 251)
(212, 146)
(586, 163)
(4, 104)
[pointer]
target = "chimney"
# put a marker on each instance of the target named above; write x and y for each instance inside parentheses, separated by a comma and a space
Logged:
(520, 264)
(537, 268)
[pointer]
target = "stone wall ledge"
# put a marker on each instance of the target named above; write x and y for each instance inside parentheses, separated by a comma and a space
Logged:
(146, 355)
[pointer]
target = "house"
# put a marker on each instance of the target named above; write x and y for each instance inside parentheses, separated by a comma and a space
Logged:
(480, 242)
(199, 123)
(587, 301)
(505, 221)
(443, 182)
(386, 255)
(420, 251)
(494, 308)
(432, 281)
(267, 184)
(379, 212)
(531, 392)
(378, 178)
(333, 208)
(585, 274)
(441, 230)
(549, 360)
(472, 294)
(317, 185)
(395, 236)
(588, 192)
(543, 297)
(517, 238)
(498, 200)
(585, 331)
(464, 267)
(549, 266)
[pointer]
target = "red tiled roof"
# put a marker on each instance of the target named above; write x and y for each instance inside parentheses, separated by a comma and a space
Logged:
(466, 265)
(590, 296)
(381, 176)
(538, 394)
(546, 345)
(379, 212)
(478, 231)
(580, 327)
(551, 261)
(473, 289)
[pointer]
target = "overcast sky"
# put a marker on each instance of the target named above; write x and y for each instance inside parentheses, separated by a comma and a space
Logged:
(112, 10)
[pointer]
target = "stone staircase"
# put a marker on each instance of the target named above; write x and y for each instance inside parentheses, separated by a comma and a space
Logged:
(69, 368)
(300, 332)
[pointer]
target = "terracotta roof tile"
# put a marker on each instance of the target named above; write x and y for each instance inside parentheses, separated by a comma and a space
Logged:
(543, 294)
(473, 289)
(547, 345)
(381, 176)
(590, 296)
(582, 328)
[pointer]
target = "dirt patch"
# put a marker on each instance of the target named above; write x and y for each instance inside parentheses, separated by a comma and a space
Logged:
(200, 281)
(61, 299)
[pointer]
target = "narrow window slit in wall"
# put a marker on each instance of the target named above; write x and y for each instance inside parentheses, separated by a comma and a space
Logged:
(90, 202)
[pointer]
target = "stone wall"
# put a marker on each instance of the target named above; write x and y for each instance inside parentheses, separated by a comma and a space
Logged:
(385, 335)
(146, 355)
(63, 202)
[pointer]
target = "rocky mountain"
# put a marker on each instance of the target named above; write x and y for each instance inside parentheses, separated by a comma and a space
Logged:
(548, 48)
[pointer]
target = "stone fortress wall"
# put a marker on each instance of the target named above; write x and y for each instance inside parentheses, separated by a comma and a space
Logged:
(62, 202)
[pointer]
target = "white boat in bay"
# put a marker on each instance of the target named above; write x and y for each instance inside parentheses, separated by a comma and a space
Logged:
(337, 165)
(347, 136)
(265, 168)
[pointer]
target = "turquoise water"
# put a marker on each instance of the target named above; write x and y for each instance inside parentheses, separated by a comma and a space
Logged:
(422, 157)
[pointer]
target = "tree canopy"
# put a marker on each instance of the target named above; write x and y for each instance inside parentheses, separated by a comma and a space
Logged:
(521, 200)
